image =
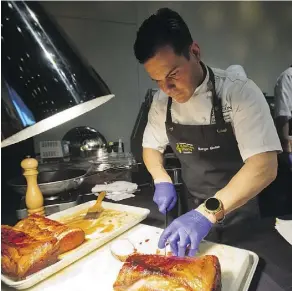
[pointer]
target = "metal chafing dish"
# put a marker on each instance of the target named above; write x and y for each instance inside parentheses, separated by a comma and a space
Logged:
(51, 183)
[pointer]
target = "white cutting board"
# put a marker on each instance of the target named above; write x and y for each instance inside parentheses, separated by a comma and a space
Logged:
(99, 270)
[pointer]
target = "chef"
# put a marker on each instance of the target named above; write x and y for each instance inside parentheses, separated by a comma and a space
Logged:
(283, 114)
(217, 123)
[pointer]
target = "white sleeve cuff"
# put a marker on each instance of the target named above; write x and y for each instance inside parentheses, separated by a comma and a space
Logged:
(282, 112)
(245, 154)
(158, 148)
(164, 180)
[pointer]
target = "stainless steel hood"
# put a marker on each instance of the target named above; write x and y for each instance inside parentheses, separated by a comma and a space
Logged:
(45, 81)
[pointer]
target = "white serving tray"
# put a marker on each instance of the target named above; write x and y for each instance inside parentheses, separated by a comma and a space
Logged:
(85, 248)
(99, 270)
(237, 265)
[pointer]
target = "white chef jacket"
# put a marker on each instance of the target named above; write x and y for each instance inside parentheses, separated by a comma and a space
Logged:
(237, 69)
(243, 104)
(283, 94)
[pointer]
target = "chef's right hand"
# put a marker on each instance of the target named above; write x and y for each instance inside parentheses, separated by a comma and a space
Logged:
(165, 196)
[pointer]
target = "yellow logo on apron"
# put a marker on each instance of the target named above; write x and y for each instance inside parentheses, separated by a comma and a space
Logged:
(184, 148)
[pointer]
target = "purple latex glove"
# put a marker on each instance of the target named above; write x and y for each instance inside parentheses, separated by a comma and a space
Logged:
(165, 196)
(187, 230)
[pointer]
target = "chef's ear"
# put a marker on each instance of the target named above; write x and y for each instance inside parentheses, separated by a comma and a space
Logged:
(196, 55)
(195, 50)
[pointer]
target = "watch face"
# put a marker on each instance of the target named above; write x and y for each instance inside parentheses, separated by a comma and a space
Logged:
(212, 204)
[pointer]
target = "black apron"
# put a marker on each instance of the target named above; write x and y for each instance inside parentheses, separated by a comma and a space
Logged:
(209, 158)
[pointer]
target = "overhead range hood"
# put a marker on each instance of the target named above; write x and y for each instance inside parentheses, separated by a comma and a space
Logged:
(45, 81)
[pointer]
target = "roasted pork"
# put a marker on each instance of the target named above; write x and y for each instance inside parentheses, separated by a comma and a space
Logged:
(68, 238)
(35, 243)
(22, 254)
(161, 273)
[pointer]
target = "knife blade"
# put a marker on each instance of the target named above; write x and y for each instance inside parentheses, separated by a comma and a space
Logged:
(165, 226)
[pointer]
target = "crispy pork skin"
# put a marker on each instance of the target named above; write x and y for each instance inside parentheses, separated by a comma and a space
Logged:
(161, 273)
(68, 238)
(35, 243)
(23, 255)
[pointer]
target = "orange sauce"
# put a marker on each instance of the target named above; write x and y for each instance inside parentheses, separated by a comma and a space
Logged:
(88, 226)
(109, 228)
(108, 221)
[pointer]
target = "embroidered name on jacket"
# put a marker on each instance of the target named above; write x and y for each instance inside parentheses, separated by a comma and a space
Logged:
(226, 110)
(211, 148)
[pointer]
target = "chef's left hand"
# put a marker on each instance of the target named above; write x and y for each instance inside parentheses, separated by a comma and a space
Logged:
(188, 229)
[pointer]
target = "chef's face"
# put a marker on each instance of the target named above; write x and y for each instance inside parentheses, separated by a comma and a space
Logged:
(176, 75)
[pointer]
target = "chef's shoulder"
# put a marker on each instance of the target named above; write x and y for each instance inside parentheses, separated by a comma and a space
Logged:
(250, 115)
(228, 82)
(235, 88)
(159, 104)
(155, 136)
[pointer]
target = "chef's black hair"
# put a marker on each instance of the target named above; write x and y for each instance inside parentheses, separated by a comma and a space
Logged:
(165, 27)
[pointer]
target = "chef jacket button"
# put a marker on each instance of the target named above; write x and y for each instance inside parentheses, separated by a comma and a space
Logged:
(216, 108)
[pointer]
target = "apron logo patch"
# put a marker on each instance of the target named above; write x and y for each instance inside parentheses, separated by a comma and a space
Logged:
(184, 148)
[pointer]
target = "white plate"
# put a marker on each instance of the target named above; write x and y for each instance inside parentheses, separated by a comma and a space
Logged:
(99, 270)
(85, 248)
(237, 265)
(253, 262)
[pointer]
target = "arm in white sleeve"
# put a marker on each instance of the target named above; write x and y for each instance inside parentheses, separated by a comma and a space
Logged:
(283, 109)
(252, 121)
(155, 141)
(258, 143)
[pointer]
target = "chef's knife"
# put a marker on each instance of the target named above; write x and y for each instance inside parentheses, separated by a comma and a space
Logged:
(165, 226)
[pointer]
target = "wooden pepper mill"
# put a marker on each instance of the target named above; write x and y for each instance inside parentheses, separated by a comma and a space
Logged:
(34, 199)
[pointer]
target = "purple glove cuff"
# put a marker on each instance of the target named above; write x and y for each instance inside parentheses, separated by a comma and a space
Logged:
(200, 220)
